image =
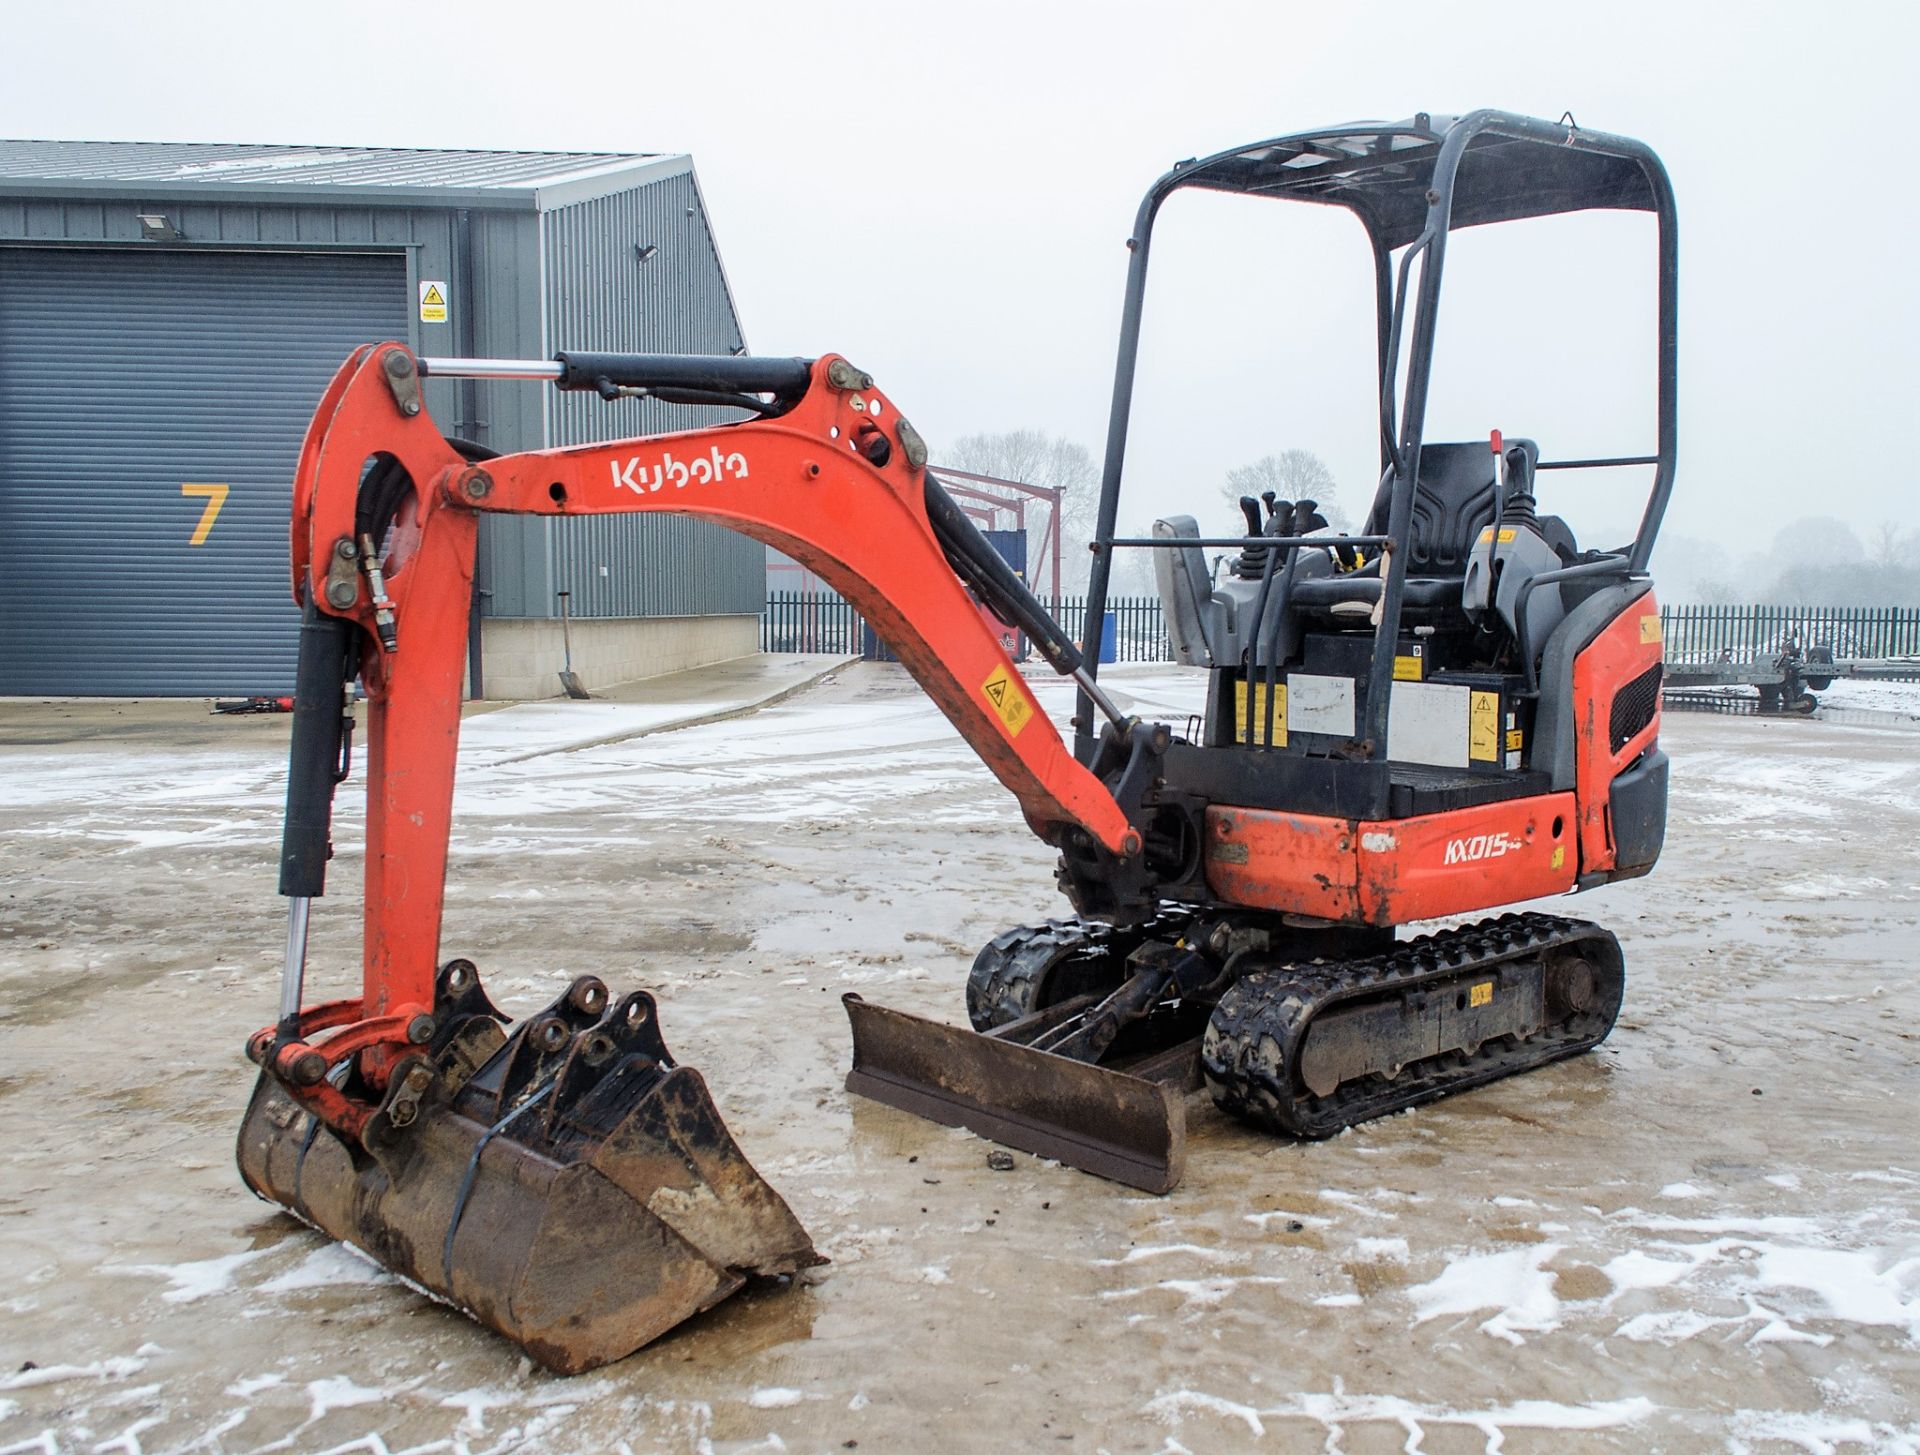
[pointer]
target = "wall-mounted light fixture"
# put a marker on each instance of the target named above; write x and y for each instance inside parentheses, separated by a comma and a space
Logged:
(157, 227)
(645, 251)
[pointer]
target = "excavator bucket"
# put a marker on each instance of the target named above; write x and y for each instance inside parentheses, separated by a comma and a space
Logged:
(567, 1185)
(1124, 1119)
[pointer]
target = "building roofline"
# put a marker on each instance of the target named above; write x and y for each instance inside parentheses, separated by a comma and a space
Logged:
(596, 178)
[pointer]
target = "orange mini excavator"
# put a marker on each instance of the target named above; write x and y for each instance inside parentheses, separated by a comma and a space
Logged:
(1455, 710)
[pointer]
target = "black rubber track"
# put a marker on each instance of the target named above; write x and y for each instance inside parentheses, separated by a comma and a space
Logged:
(1253, 1041)
(1034, 966)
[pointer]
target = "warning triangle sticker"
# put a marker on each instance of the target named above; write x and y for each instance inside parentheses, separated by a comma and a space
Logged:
(997, 690)
(431, 298)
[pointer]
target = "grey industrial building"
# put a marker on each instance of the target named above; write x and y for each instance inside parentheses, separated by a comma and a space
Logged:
(169, 315)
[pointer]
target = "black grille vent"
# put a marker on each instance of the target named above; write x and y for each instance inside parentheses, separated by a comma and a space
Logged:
(1633, 707)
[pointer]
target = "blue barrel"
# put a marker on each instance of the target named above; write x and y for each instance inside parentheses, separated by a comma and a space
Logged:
(1109, 640)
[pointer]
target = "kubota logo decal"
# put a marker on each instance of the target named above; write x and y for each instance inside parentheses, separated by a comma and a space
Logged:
(643, 479)
(1482, 846)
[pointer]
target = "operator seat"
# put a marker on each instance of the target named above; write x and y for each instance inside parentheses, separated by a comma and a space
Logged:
(1453, 501)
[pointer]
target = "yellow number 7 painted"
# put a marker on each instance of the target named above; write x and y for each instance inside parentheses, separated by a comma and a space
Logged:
(215, 496)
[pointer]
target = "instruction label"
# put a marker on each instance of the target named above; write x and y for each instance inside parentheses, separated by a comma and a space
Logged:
(1008, 699)
(1483, 727)
(1649, 630)
(433, 300)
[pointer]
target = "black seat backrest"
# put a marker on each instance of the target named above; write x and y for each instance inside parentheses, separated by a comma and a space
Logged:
(1453, 502)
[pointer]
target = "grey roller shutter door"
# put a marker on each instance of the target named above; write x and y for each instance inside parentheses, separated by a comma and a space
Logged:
(124, 376)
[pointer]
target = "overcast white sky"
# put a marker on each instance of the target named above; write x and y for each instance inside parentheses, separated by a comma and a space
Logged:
(943, 192)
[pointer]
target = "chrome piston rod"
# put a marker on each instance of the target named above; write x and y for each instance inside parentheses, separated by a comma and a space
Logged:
(294, 975)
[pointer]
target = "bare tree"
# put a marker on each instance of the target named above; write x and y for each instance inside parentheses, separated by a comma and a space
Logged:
(1291, 475)
(1037, 458)
(1892, 546)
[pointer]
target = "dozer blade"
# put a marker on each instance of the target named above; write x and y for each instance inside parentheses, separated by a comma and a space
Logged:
(1129, 1125)
(579, 1192)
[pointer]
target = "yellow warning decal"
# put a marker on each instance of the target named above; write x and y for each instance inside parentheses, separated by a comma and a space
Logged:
(1483, 727)
(1559, 856)
(215, 496)
(1410, 669)
(433, 301)
(1506, 536)
(1009, 699)
(1260, 713)
(1481, 994)
(1649, 630)
(1516, 740)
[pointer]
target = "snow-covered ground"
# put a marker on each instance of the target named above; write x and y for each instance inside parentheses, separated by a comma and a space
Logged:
(1704, 1237)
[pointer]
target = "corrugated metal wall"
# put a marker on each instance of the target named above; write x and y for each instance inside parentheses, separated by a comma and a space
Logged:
(601, 295)
(126, 374)
(569, 277)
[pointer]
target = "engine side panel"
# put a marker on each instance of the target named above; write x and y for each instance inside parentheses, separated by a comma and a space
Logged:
(1389, 873)
(1616, 694)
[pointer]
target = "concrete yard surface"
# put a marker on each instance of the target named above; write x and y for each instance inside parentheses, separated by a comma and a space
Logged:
(1705, 1236)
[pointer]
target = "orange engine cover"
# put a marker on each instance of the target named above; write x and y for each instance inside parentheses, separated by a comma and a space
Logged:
(1392, 872)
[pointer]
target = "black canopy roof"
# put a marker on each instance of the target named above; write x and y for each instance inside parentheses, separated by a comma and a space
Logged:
(1511, 167)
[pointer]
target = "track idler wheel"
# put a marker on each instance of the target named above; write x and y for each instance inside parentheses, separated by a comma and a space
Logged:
(568, 1185)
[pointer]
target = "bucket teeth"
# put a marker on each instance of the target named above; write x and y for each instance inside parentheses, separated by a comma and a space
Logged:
(569, 1185)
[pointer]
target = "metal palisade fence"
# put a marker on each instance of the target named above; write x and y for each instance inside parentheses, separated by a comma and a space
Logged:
(807, 622)
(797, 621)
(1743, 633)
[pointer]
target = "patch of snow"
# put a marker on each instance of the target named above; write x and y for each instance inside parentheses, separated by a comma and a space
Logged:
(1282, 1215)
(338, 1393)
(1514, 1282)
(192, 1281)
(248, 1388)
(1847, 1282)
(1381, 1248)
(1161, 1250)
(1681, 1191)
(120, 1368)
(1639, 1270)
(1762, 1226)
(1338, 1300)
(1782, 1332)
(1672, 1326)
(775, 1398)
(1815, 1433)
(1168, 1407)
(324, 1267)
(1338, 1410)
(475, 1403)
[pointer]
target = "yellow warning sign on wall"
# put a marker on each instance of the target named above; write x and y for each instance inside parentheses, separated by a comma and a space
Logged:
(1008, 698)
(433, 301)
